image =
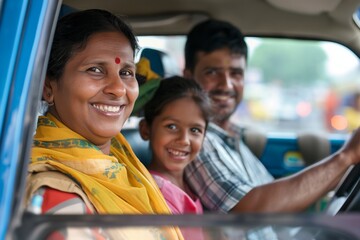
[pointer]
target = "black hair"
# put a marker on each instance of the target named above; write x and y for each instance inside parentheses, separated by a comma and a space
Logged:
(174, 88)
(211, 35)
(73, 31)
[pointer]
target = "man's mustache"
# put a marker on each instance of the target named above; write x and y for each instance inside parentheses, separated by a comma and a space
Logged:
(222, 93)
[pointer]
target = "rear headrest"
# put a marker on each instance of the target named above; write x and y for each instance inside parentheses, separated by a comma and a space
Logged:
(161, 63)
(140, 147)
(256, 141)
(313, 147)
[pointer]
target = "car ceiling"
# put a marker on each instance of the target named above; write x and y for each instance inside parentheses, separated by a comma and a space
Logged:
(315, 19)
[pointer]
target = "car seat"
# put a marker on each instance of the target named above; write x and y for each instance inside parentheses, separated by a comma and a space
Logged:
(313, 147)
(161, 62)
(255, 141)
(140, 147)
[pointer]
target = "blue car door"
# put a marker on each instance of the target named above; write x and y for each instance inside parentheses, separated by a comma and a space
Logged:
(26, 28)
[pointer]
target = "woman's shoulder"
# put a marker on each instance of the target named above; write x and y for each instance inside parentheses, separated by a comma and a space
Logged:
(53, 201)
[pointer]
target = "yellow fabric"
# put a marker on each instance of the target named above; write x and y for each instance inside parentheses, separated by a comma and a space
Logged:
(143, 68)
(116, 183)
(149, 83)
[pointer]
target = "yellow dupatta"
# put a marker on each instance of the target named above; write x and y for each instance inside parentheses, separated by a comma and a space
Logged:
(115, 184)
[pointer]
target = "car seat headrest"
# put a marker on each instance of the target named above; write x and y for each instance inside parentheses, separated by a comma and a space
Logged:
(140, 147)
(256, 141)
(161, 63)
(313, 147)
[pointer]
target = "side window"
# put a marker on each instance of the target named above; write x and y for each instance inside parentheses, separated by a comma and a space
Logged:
(172, 45)
(309, 86)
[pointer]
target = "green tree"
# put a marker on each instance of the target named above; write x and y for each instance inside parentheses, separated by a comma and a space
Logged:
(293, 62)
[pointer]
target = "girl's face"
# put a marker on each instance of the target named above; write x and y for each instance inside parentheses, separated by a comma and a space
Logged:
(176, 135)
(97, 91)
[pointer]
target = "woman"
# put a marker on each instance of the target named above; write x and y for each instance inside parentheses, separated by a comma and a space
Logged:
(79, 154)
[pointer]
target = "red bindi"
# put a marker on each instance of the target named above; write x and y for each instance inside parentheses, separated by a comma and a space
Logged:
(117, 60)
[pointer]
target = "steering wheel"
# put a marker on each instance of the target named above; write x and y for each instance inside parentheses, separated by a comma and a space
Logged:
(346, 198)
(347, 194)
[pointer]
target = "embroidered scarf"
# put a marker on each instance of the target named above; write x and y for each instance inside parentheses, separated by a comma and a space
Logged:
(116, 183)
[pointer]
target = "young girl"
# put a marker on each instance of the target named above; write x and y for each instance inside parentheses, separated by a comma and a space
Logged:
(175, 120)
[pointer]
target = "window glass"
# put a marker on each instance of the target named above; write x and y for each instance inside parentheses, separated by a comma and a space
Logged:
(172, 45)
(291, 85)
(232, 232)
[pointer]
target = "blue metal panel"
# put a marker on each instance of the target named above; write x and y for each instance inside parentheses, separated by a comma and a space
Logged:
(336, 144)
(28, 20)
(282, 157)
(11, 23)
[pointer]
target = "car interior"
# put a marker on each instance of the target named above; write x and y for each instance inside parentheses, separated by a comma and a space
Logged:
(306, 148)
(295, 134)
(282, 155)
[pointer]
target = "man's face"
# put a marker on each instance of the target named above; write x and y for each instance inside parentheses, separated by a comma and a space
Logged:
(221, 74)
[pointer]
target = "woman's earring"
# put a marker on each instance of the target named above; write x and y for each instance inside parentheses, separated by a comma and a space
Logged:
(51, 103)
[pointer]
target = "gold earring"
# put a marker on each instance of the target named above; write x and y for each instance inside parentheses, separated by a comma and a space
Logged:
(51, 103)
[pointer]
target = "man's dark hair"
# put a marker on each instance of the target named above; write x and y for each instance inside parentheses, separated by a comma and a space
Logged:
(212, 35)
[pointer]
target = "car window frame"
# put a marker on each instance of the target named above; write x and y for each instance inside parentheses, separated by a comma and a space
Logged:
(33, 24)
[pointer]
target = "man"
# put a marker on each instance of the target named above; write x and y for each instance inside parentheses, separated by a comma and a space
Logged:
(227, 176)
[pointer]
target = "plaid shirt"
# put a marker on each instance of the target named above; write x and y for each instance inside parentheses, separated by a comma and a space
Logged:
(225, 170)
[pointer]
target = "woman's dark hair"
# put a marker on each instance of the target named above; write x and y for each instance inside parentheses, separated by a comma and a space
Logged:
(73, 31)
(212, 35)
(174, 88)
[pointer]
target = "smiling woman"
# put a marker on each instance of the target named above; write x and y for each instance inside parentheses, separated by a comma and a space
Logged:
(100, 93)
(80, 162)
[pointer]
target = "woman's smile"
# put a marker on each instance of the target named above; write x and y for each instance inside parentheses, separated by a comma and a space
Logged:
(97, 95)
(109, 110)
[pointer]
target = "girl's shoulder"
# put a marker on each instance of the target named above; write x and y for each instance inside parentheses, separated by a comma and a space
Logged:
(159, 179)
